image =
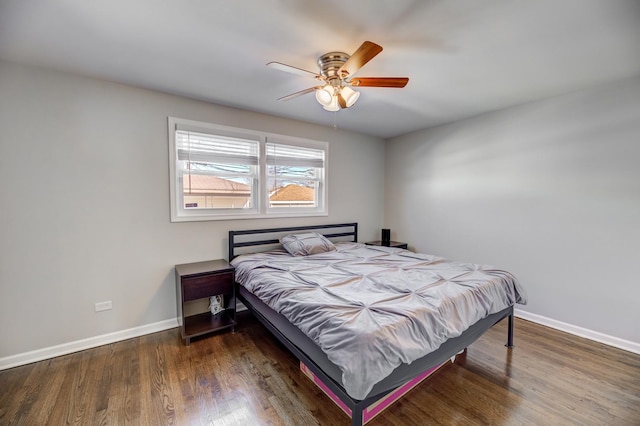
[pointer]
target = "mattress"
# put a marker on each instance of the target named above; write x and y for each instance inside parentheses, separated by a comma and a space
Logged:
(372, 309)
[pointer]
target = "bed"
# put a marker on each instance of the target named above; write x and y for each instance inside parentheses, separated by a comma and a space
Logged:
(367, 323)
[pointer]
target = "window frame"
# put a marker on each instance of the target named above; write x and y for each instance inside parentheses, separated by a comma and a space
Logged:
(261, 208)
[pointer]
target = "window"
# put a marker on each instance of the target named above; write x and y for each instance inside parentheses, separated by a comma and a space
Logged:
(219, 172)
(294, 176)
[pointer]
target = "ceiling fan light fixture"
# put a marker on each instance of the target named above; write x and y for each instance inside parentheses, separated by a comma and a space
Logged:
(333, 106)
(349, 96)
(325, 96)
(336, 71)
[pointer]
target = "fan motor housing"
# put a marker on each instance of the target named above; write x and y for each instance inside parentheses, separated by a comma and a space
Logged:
(330, 63)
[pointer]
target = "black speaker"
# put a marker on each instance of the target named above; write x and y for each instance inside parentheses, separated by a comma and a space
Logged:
(386, 234)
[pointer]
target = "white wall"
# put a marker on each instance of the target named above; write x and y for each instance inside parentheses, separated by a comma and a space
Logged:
(548, 190)
(84, 187)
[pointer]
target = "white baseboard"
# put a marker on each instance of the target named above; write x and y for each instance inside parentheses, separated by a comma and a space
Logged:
(105, 339)
(79, 345)
(616, 342)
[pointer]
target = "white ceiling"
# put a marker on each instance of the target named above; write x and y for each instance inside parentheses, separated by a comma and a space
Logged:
(463, 57)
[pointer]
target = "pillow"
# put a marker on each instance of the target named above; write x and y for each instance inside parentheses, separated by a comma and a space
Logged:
(306, 244)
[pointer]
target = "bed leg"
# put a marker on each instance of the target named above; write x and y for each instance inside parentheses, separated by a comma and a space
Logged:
(510, 332)
(356, 416)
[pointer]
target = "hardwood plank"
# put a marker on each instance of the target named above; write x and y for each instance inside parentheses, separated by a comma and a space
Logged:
(27, 390)
(248, 377)
(46, 399)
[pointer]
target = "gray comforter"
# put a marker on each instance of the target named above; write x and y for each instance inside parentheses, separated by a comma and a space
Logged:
(372, 308)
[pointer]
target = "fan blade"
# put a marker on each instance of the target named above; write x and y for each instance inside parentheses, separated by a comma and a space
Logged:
(342, 101)
(293, 70)
(300, 93)
(366, 52)
(397, 82)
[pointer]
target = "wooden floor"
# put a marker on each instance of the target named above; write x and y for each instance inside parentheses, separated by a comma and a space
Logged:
(248, 378)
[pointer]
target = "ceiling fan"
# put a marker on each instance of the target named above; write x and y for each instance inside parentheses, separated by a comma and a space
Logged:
(336, 76)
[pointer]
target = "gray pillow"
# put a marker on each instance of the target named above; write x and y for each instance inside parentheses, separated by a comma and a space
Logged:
(306, 244)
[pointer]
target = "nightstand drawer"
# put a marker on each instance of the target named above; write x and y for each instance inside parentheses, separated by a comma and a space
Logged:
(206, 285)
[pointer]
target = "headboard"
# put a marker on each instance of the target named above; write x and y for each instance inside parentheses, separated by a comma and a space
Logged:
(271, 236)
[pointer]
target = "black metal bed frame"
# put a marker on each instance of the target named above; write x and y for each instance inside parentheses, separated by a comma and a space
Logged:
(357, 407)
(233, 245)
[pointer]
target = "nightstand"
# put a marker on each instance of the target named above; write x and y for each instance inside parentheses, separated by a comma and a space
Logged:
(396, 244)
(202, 280)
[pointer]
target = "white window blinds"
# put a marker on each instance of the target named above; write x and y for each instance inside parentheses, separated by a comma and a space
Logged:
(294, 156)
(216, 149)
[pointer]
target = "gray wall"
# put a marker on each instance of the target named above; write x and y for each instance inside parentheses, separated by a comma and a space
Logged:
(84, 187)
(548, 190)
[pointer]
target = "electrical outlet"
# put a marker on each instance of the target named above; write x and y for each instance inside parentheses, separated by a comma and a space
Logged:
(103, 306)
